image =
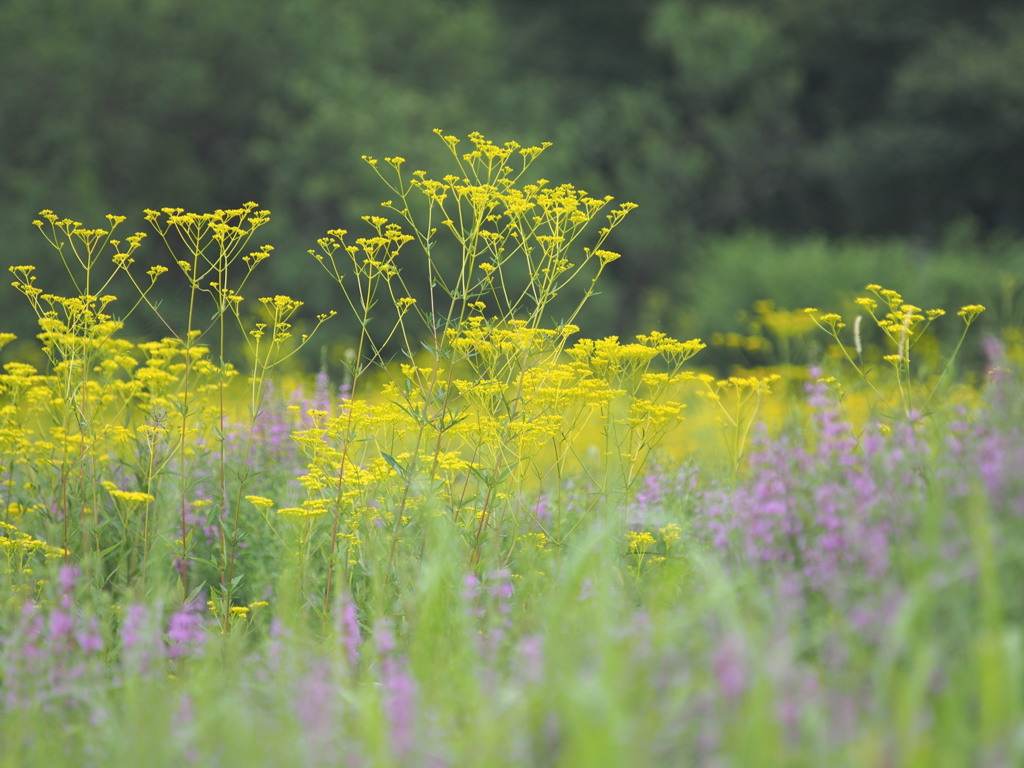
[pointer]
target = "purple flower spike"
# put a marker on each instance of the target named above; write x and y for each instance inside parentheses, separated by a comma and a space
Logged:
(730, 667)
(399, 692)
(185, 633)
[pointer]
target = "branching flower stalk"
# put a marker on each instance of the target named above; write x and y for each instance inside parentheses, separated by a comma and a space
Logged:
(904, 325)
(226, 234)
(269, 344)
(736, 402)
(638, 409)
(75, 331)
(371, 263)
(214, 245)
(499, 250)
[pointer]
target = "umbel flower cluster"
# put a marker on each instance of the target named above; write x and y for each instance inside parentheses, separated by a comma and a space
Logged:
(462, 400)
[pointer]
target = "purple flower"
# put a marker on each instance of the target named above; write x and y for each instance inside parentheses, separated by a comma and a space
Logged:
(185, 632)
(501, 587)
(542, 510)
(530, 652)
(88, 637)
(67, 577)
(399, 692)
(317, 704)
(61, 625)
(140, 641)
(348, 629)
(730, 667)
(819, 510)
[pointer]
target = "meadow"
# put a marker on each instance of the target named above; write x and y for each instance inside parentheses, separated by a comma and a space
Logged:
(479, 537)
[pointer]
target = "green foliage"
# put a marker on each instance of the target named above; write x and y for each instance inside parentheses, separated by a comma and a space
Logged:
(798, 117)
(733, 273)
(478, 563)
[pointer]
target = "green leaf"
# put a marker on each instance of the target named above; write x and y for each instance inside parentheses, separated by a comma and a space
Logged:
(393, 463)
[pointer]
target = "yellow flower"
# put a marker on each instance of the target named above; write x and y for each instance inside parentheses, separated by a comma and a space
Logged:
(607, 257)
(310, 510)
(639, 541)
(670, 533)
(132, 497)
(970, 312)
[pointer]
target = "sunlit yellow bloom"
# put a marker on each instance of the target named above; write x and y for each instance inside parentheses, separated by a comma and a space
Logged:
(639, 541)
(132, 497)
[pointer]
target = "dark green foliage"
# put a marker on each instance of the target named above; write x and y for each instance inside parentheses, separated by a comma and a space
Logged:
(800, 117)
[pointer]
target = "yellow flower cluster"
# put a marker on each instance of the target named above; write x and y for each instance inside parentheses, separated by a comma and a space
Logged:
(131, 497)
(498, 346)
(904, 325)
(308, 510)
(737, 401)
(19, 547)
(494, 401)
(609, 357)
(639, 541)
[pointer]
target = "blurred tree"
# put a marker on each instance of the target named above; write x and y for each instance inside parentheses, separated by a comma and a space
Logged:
(204, 105)
(949, 140)
(859, 117)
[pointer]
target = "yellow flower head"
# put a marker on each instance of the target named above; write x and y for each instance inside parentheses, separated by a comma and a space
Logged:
(970, 312)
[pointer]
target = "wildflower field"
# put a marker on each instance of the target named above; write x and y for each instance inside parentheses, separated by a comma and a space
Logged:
(478, 537)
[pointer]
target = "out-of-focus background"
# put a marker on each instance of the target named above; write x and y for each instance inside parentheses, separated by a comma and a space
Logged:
(790, 150)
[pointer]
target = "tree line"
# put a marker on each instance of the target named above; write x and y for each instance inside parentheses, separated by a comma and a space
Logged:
(798, 117)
